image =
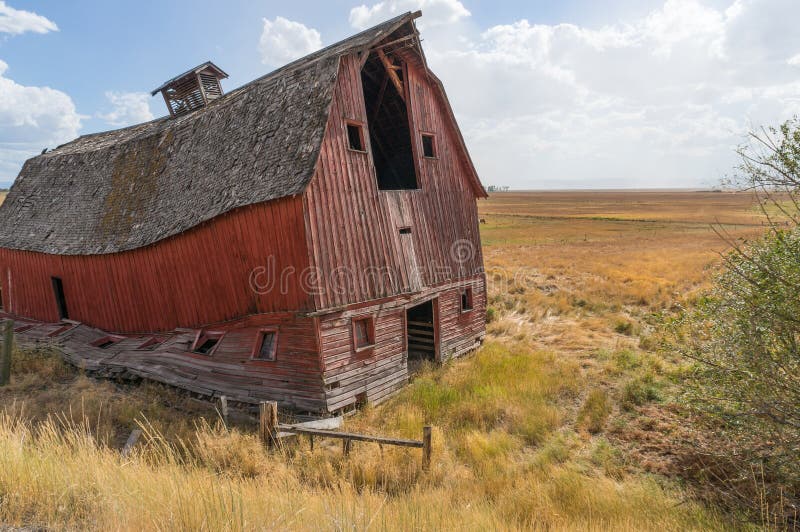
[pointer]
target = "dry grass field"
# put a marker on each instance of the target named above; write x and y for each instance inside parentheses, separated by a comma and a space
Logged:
(563, 420)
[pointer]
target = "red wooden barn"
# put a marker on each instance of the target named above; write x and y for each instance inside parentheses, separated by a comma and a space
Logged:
(300, 239)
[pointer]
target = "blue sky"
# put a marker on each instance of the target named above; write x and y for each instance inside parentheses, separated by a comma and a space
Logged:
(568, 94)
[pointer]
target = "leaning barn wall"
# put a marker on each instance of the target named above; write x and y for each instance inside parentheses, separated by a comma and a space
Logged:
(196, 278)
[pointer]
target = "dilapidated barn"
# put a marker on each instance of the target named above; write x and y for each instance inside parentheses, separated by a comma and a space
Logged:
(301, 238)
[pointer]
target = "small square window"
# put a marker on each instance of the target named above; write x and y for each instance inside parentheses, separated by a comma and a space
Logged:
(355, 137)
(428, 146)
(102, 343)
(206, 342)
(466, 299)
(363, 333)
(266, 346)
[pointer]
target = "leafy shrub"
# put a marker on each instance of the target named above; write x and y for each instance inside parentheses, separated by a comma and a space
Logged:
(639, 391)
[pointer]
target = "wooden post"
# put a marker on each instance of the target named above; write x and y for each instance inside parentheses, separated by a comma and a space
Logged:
(268, 422)
(426, 447)
(311, 441)
(132, 439)
(5, 352)
(346, 447)
(223, 406)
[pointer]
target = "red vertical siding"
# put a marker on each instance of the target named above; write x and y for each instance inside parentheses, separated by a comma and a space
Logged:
(354, 226)
(196, 278)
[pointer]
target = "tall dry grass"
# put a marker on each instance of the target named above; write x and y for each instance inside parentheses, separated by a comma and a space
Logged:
(546, 427)
(503, 460)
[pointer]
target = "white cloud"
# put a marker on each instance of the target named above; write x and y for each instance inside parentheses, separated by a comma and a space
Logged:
(284, 40)
(127, 108)
(436, 12)
(16, 21)
(679, 21)
(658, 100)
(31, 118)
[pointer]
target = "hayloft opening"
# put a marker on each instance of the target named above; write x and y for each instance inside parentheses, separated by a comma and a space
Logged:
(382, 79)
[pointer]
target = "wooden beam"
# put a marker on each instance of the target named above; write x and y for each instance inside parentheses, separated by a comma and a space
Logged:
(166, 101)
(391, 70)
(396, 41)
(351, 436)
(202, 89)
(379, 100)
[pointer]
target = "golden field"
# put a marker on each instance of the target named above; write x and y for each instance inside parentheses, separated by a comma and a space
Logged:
(559, 422)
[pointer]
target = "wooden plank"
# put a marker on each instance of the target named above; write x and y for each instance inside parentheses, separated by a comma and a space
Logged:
(351, 436)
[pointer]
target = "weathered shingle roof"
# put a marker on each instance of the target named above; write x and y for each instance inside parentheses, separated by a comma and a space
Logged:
(124, 189)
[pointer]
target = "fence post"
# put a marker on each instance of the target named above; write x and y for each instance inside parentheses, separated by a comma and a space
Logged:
(268, 422)
(5, 352)
(132, 439)
(223, 406)
(426, 447)
(346, 447)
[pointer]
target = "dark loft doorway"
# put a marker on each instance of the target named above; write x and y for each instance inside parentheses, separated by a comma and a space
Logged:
(389, 128)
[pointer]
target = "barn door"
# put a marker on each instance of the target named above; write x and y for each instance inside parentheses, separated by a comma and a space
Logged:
(410, 256)
(61, 301)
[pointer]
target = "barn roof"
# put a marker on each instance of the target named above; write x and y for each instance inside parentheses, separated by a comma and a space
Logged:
(128, 188)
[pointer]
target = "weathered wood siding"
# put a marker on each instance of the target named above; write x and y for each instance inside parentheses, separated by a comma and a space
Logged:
(354, 230)
(375, 373)
(199, 277)
(354, 226)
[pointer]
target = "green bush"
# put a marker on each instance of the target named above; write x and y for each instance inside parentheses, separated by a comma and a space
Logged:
(639, 391)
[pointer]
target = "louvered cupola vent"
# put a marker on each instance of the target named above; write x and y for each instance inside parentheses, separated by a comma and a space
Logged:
(193, 89)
